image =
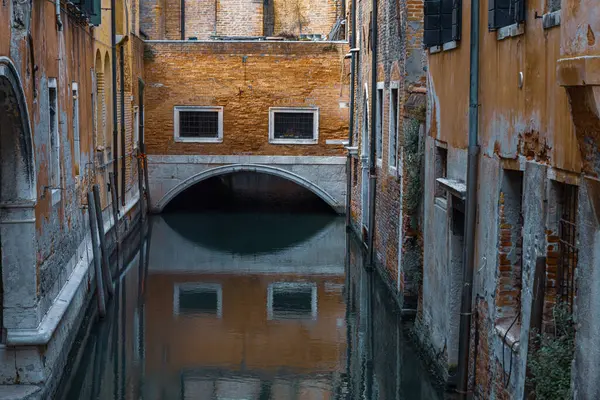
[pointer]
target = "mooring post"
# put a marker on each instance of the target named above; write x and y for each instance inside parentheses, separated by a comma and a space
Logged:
(115, 206)
(97, 266)
(103, 247)
(143, 208)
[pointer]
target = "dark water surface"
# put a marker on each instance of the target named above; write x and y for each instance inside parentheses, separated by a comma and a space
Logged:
(247, 306)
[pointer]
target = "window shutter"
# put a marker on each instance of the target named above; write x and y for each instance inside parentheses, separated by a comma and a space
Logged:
(519, 7)
(456, 19)
(447, 7)
(432, 35)
(499, 14)
(95, 10)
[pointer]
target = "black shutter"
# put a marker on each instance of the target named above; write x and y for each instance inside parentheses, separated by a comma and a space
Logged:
(433, 23)
(519, 7)
(456, 19)
(499, 14)
(447, 7)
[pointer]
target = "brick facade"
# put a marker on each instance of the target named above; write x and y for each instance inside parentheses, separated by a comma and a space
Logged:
(246, 79)
(397, 238)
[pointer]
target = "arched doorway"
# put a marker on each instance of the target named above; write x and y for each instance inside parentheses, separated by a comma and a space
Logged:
(17, 204)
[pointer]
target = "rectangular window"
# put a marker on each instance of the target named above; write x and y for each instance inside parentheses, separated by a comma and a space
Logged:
(292, 300)
(379, 124)
(198, 124)
(441, 169)
(76, 141)
(505, 12)
(568, 252)
(198, 299)
(442, 21)
(393, 146)
(136, 127)
(54, 164)
(293, 125)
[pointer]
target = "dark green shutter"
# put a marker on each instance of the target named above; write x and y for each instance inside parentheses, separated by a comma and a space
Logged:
(456, 19)
(432, 35)
(502, 13)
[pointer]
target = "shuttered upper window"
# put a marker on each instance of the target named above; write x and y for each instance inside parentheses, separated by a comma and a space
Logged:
(442, 21)
(505, 12)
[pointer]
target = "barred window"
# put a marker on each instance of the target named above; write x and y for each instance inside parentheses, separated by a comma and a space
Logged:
(293, 125)
(198, 124)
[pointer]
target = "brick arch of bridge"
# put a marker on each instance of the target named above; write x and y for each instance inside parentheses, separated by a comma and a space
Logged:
(264, 169)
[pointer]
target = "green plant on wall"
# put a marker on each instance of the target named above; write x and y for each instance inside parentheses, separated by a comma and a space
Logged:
(550, 359)
(413, 159)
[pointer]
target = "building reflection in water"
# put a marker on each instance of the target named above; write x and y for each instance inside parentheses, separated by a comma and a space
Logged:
(194, 320)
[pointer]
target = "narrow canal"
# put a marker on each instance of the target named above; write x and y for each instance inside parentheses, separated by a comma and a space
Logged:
(246, 306)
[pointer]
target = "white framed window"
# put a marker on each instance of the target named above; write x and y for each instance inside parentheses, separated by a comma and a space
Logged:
(394, 160)
(379, 124)
(294, 125)
(193, 298)
(76, 140)
(292, 300)
(54, 139)
(203, 124)
(136, 127)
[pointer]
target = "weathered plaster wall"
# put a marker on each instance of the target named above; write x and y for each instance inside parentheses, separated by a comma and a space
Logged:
(246, 78)
(533, 121)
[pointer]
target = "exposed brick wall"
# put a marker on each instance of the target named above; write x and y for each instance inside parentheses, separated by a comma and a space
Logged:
(394, 39)
(173, 19)
(306, 16)
(246, 78)
(240, 18)
(152, 18)
(199, 19)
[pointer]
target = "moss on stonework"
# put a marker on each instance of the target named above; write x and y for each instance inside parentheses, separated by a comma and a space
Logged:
(413, 160)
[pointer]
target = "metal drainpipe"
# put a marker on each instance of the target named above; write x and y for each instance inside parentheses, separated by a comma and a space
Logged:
(113, 40)
(122, 66)
(373, 141)
(351, 122)
(466, 307)
(59, 23)
(182, 22)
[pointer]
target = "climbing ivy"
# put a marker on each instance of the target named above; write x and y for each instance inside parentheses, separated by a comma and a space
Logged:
(413, 159)
(551, 356)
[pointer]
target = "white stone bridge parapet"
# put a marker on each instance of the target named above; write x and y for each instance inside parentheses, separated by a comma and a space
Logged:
(170, 175)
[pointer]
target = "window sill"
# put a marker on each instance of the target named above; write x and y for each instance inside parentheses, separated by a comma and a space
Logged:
(55, 196)
(343, 142)
(510, 338)
(445, 47)
(379, 163)
(441, 202)
(393, 171)
(198, 140)
(550, 20)
(457, 188)
(293, 141)
(510, 31)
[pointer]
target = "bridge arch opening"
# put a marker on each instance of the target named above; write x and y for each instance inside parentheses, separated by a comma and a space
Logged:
(248, 189)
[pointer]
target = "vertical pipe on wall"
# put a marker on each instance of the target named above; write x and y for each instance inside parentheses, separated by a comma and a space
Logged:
(123, 152)
(113, 42)
(182, 22)
(466, 307)
(373, 139)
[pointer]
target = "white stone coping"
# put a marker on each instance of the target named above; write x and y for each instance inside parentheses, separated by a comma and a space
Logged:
(550, 20)
(45, 330)
(262, 41)
(454, 186)
(510, 31)
(247, 159)
(343, 142)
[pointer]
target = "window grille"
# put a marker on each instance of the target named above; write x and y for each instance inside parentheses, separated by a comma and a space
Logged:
(199, 124)
(294, 125)
(567, 230)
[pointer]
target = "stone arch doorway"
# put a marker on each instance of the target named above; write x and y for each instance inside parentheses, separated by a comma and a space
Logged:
(264, 169)
(17, 205)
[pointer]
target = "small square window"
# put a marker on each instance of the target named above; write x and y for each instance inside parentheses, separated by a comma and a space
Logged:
(292, 300)
(198, 124)
(293, 125)
(197, 299)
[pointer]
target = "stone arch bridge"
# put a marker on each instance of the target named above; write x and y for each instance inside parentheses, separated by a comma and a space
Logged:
(169, 176)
